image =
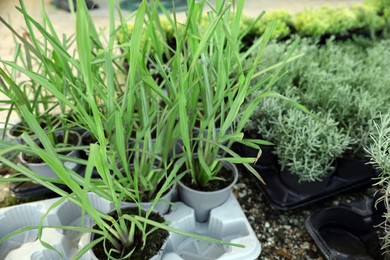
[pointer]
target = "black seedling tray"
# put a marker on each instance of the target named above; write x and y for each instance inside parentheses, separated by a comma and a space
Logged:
(348, 232)
(282, 197)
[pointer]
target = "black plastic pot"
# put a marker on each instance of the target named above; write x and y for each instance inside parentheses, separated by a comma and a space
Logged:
(63, 4)
(283, 195)
(354, 169)
(29, 189)
(303, 187)
(267, 159)
(347, 232)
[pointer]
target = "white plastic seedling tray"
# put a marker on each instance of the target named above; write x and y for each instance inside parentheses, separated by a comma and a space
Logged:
(227, 222)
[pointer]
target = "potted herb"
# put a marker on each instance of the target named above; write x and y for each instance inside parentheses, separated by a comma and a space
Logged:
(210, 86)
(65, 141)
(307, 149)
(123, 233)
(306, 152)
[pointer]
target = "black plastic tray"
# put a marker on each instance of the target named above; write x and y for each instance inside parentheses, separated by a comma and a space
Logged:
(348, 232)
(283, 197)
(349, 174)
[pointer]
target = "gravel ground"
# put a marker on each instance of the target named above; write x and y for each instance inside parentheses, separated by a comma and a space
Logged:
(282, 234)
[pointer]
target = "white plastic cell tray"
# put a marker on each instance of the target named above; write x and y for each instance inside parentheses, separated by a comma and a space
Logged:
(227, 222)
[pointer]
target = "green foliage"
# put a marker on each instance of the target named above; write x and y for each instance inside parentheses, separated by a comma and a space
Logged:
(310, 146)
(283, 21)
(379, 152)
(345, 81)
(378, 5)
(367, 18)
(123, 116)
(324, 21)
(212, 84)
(305, 145)
(386, 14)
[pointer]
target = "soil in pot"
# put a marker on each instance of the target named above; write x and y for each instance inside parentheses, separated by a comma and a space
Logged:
(155, 240)
(19, 128)
(205, 198)
(73, 140)
(88, 139)
(215, 185)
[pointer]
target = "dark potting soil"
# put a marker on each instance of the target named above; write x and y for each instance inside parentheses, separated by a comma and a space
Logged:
(89, 139)
(147, 196)
(72, 141)
(5, 170)
(18, 129)
(226, 174)
(155, 240)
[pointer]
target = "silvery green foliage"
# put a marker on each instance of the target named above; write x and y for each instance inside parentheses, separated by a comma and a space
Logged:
(261, 123)
(347, 80)
(306, 145)
(379, 151)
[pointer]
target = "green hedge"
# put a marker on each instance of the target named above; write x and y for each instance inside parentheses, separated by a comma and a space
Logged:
(368, 18)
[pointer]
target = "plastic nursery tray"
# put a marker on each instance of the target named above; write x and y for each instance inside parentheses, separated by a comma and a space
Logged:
(283, 197)
(348, 232)
(227, 222)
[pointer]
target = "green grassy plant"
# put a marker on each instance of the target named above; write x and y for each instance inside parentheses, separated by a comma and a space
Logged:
(208, 84)
(112, 112)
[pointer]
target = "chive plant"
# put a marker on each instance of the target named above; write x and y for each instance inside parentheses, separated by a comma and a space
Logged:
(209, 84)
(111, 113)
(46, 60)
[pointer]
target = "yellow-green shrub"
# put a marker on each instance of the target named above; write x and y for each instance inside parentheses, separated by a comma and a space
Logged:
(378, 5)
(323, 21)
(340, 20)
(283, 20)
(247, 21)
(367, 18)
(124, 33)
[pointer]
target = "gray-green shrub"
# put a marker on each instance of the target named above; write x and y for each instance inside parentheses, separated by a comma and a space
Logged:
(307, 146)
